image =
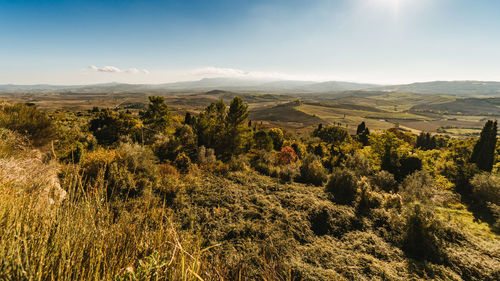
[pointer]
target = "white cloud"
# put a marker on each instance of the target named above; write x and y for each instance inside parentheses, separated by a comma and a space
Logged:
(114, 69)
(132, 70)
(213, 72)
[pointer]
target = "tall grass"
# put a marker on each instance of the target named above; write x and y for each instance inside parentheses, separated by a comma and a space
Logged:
(86, 238)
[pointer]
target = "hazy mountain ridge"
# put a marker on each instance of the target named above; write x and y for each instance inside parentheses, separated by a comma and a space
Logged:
(462, 88)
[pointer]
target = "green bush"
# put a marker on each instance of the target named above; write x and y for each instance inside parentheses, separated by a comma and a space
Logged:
(300, 149)
(264, 162)
(165, 147)
(343, 186)
(239, 163)
(418, 186)
(385, 181)
(276, 135)
(486, 188)
(312, 171)
(262, 140)
(358, 163)
(423, 234)
(109, 126)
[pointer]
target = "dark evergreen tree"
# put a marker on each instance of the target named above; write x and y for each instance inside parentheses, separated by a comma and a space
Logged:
(236, 130)
(209, 125)
(362, 132)
(361, 128)
(484, 150)
(426, 142)
(157, 117)
(189, 119)
(390, 161)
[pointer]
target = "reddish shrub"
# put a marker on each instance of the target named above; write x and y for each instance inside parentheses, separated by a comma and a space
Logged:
(287, 155)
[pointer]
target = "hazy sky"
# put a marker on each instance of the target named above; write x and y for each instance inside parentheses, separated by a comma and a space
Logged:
(381, 41)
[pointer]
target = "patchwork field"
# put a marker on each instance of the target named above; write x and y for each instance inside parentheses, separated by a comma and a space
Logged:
(379, 110)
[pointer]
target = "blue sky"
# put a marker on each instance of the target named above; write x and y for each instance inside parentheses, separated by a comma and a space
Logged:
(380, 41)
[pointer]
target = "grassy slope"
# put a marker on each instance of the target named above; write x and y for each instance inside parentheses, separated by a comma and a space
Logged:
(264, 229)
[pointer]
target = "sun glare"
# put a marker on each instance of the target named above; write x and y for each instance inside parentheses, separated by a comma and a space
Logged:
(393, 5)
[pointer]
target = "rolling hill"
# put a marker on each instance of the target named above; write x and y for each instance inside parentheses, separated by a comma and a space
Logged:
(463, 88)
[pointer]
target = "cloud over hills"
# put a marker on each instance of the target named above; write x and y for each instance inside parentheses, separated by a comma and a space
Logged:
(114, 69)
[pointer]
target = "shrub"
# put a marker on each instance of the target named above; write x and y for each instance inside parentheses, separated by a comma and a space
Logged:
(495, 211)
(182, 162)
(409, 165)
(343, 186)
(167, 169)
(300, 149)
(312, 171)
(165, 148)
(289, 172)
(120, 182)
(422, 237)
(76, 154)
(276, 135)
(206, 156)
(124, 172)
(108, 126)
(486, 188)
(385, 181)
(239, 163)
(29, 121)
(332, 134)
(358, 163)
(11, 143)
(187, 140)
(262, 140)
(367, 197)
(265, 163)
(418, 186)
(287, 155)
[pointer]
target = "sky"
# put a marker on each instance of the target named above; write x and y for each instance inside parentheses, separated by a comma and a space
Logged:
(139, 41)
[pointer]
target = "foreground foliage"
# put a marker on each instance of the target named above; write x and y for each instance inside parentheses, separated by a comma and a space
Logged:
(148, 195)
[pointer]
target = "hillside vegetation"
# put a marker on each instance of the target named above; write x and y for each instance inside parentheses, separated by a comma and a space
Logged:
(113, 194)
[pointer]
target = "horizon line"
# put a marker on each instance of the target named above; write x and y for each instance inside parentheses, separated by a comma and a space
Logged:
(252, 79)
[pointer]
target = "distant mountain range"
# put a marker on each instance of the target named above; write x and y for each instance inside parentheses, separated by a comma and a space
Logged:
(462, 88)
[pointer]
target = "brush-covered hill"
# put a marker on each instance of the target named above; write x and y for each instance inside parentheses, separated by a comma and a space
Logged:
(462, 88)
(470, 106)
(264, 227)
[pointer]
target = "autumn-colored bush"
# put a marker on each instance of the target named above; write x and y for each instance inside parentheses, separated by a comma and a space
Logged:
(287, 155)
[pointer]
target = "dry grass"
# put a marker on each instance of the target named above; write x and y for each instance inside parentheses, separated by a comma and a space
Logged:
(84, 237)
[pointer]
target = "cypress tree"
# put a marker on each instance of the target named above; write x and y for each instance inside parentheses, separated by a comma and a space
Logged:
(362, 132)
(484, 150)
